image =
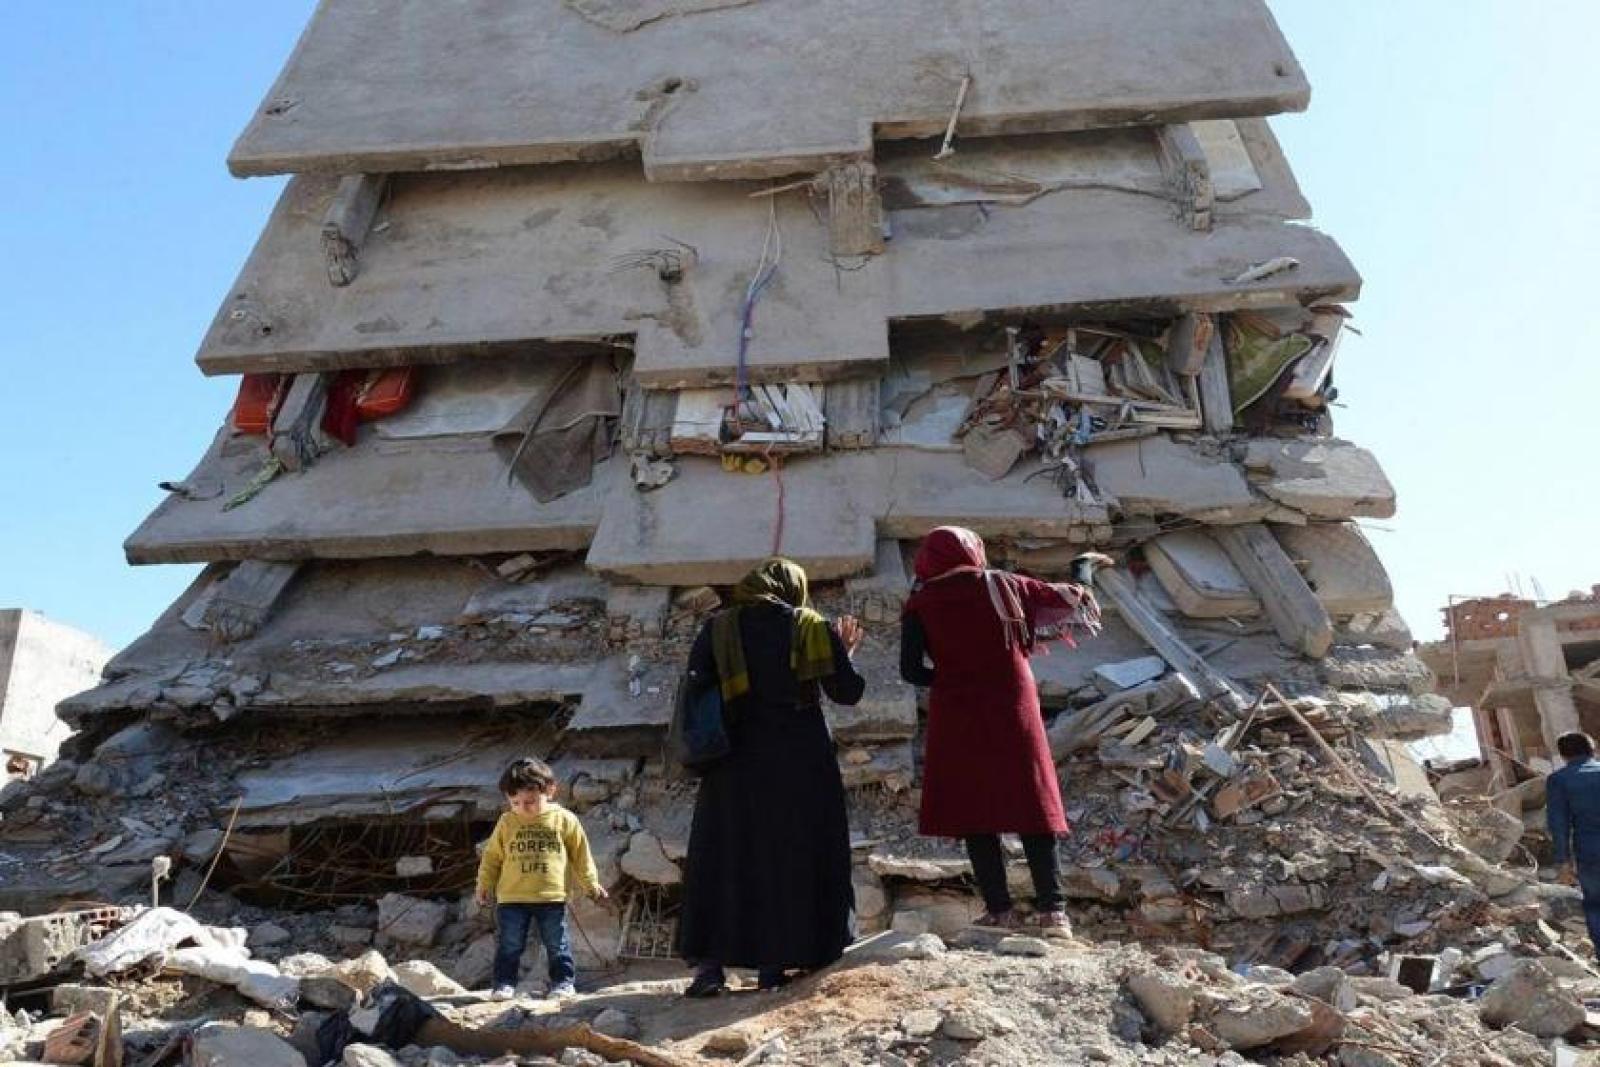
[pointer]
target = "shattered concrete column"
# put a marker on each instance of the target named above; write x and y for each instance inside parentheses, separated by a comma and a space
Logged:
(349, 218)
(1546, 666)
(855, 211)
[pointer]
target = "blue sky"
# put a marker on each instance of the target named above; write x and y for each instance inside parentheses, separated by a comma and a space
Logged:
(1449, 147)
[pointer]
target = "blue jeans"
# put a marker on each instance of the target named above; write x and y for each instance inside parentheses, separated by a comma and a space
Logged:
(1589, 882)
(513, 921)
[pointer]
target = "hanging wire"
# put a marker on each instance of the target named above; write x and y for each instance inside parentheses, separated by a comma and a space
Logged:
(766, 268)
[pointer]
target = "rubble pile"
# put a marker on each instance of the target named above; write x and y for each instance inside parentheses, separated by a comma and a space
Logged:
(522, 391)
(166, 982)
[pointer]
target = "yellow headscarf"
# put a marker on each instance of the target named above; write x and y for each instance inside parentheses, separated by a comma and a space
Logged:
(781, 582)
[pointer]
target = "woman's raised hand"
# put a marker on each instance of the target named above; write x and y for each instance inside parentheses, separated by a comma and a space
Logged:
(850, 632)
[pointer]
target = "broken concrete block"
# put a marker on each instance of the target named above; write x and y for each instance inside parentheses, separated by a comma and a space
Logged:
(1323, 478)
(358, 1054)
(327, 993)
(1529, 997)
(1340, 566)
(365, 972)
(474, 968)
(1259, 1018)
(410, 920)
(1111, 678)
(1167, 1000)
(222, 1045)
(426, 980)
(1160, 476)
(646, 861)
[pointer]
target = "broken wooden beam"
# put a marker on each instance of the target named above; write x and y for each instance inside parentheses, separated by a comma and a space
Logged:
(349, 219)
(1290, 604)
(1187, 172)
(1189, 342)
(1216, 400)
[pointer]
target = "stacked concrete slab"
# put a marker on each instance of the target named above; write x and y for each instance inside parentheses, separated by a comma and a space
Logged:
(915, 220)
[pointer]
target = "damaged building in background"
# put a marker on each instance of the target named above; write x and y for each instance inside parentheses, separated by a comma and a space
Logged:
(574, 311)
(41, 662)
(1530, 671)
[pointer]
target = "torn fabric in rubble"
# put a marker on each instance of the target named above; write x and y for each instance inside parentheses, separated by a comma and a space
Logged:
(553, 443)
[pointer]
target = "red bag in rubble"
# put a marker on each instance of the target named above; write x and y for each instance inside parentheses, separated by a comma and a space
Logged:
(386, 392)
(257, 403)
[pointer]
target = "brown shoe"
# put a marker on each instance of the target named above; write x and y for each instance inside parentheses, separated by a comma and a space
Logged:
(989, 920)
(1052, 924)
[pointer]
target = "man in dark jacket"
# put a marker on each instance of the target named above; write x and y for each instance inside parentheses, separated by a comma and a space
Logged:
(1572, 808)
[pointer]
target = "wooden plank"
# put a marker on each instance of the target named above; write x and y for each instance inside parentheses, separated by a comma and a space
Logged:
(349, 218)
(1290, 604)
(1189, 341)
(697, 423)
(1216, 402)
(1152, 628)
(806, 402)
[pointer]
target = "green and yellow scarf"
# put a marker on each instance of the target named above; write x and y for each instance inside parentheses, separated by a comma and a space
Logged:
(781, 582)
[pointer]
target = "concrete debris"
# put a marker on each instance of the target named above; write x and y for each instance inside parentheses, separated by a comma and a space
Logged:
(646, 860)
(1530, 997)
(409, 920)
(222, 1045)
(426, 980)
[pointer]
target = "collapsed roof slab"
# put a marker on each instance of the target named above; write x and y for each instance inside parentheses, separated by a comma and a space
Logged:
(1157, 476)
(469, 265)
(350, 637)
(403, 770)
(482, 265)
(1321, 477)
(379, 498)
(743, 88)
(708, 526)
(923, 490)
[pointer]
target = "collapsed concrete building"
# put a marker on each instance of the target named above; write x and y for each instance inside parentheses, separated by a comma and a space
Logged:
(41, 662)
(574, 310)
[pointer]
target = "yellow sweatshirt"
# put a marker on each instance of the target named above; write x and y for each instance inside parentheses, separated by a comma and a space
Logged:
(526, 860)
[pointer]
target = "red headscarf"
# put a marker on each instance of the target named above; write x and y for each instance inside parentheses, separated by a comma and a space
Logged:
(950, 550)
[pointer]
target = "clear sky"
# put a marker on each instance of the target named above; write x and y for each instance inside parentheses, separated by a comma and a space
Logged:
(1449, 146)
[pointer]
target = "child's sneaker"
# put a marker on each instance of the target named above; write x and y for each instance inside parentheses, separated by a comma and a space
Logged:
(502, 992)
(562, 990)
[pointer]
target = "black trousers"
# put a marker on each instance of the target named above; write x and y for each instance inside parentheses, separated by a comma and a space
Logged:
(989, 869)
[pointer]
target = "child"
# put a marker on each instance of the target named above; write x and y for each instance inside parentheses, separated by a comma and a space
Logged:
(524, 871)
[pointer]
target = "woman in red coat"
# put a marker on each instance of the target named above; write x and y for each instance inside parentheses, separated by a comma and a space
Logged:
(988, 768)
